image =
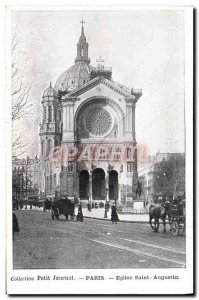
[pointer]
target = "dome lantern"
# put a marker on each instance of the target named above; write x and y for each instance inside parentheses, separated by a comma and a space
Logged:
(50, 92)
(79, 73)
(82, 48)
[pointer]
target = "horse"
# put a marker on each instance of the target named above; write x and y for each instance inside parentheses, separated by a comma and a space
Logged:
(156, 212)
(47, 205)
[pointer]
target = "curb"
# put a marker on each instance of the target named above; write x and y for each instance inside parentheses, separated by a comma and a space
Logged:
(120, 221)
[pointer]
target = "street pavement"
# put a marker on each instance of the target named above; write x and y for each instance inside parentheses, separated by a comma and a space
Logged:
(45, 243)
(99, 214)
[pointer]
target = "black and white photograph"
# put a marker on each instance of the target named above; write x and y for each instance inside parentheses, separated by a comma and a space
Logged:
(100, 194)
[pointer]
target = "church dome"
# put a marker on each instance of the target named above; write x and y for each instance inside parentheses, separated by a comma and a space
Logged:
(50, 92)
(74, 77)
(79, 73)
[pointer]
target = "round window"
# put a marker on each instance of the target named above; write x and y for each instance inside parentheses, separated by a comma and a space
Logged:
(98, 121)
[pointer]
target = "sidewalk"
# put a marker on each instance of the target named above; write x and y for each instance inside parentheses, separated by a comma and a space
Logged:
(130, 218)
(99, 214)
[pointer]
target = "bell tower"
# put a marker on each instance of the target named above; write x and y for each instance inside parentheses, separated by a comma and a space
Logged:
(51, 125)
(82, 48)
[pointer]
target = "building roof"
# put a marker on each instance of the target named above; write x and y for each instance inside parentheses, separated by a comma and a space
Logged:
(74, 77)
(50, 92)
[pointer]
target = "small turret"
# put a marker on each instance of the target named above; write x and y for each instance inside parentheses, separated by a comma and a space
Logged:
(50, 127)
(49, 92)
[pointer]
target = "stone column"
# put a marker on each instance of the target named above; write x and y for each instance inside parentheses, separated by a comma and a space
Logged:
(47, 114)
(64, 119)
(133, 124)
(61, 183)
(107, 186)
(45, 185)
(68, 119)
(135, 171)
(129, 119)
(77, 183)
(65, 180)
(90, 187)
(52, 108)
(135, 175)
(119, 188)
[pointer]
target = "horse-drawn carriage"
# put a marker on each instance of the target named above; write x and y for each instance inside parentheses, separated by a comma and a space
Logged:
(47, 205)
(171, 211)
(176, 217)
(63, 206)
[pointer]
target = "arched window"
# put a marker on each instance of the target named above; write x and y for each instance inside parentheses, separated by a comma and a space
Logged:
(50, 114)
(44, 116)
(49, 147)
(42, 147)
(57, 142)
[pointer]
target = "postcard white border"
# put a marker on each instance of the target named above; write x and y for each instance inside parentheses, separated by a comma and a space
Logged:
(185, 284)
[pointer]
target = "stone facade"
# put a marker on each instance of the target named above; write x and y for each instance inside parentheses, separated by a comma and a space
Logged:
(87, 136)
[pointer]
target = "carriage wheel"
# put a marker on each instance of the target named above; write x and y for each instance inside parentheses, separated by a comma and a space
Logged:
(174, 228)
(181, 229)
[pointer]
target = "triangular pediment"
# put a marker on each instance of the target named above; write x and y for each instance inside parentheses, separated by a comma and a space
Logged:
(121, 90)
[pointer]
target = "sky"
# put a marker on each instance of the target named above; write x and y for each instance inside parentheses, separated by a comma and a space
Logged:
(144, 48)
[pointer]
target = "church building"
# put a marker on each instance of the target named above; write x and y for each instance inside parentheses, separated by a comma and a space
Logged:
(87, 134)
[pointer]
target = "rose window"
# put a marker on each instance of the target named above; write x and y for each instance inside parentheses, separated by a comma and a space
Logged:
(98, 121)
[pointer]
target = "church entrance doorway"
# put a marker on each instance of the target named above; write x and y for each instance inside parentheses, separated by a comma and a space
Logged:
(113, 185)
(98, 184)
(84, 185)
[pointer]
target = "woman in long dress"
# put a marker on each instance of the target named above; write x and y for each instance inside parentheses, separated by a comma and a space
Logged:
(80, 216)
(114, 215)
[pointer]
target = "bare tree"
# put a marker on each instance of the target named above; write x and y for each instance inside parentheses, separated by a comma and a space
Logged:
(170, 175)
(176, 173)
(20, 92)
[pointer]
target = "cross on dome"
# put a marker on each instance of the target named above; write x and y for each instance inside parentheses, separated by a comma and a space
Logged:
(82, 22)
(82, 33)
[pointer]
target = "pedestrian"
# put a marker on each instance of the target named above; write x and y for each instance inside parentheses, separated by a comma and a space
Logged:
(114, 215)
(80, 216)
(15, 225)
(89, 206)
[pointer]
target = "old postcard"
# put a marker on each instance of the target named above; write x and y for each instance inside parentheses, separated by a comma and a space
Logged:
(100, 170)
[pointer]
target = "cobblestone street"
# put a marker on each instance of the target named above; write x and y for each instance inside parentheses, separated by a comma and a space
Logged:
(45, 243)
